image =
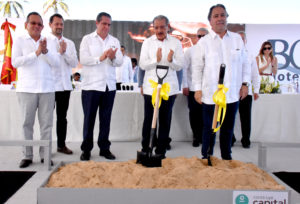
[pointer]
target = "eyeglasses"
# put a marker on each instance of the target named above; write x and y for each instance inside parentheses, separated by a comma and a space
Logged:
(267, 48)
(36, 23)
(160, 27)
(200, 36)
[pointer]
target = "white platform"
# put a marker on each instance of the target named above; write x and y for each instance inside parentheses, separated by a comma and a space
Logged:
(275, 118)
(279, 159)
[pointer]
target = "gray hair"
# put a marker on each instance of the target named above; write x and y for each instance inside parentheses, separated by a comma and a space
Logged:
(161, 17)
(202, 29)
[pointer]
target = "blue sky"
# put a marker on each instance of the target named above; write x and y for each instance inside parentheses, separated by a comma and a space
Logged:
(240, 11)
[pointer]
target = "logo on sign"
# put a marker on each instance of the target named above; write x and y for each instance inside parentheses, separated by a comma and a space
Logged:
(288, 56)
(241, 199)
(289, 62)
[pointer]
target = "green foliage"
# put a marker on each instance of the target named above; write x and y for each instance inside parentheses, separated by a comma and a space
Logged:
(268, 87)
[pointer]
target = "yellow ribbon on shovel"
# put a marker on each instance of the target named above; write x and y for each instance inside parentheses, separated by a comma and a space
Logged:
(165, 89)
(219, 98)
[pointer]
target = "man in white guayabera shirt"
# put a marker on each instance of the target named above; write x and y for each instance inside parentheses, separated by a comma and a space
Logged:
(160, 49)
(218, 47)
(99, 55)
(66, 52)
(33, 56)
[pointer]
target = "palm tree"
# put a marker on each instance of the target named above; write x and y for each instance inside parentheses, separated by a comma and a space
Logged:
(53, 4)
(8, 6)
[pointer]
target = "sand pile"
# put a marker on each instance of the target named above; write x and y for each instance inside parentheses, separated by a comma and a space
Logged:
(175, 173)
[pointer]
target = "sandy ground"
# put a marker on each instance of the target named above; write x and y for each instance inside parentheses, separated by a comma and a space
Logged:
(175, 173)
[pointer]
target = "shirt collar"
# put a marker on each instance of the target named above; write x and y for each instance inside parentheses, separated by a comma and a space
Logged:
(27, 36)
(167, 37)
(52, 36)
(213, 34)
(95, 34)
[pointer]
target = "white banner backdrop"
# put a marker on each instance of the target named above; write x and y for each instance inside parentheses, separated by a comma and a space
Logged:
(285, 40)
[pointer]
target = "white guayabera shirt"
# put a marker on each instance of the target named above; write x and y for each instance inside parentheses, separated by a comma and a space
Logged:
(34, 72)
(211, 51)
(68, 60)
(148, 62)
(95, 74)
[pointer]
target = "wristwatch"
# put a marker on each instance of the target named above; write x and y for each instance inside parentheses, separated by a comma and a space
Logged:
(245, 84)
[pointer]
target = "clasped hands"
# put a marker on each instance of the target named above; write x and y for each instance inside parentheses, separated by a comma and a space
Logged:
(62, 47)
(42, 49)
(110, 53)
(159, 55)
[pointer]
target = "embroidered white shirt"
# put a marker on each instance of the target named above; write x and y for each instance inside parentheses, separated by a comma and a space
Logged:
(68, 60)
(95, 74)
(211, 51)
(34, 72)
(148, 62)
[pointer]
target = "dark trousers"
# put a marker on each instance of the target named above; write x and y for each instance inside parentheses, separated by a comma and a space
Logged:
(226, 131)
(164, 121)
(195, 115)
(245, 107)
(62, 104)
(91, 100)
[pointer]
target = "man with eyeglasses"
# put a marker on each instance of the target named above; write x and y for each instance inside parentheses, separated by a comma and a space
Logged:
(160, 49)
(66, 52)
(220, 46)
(195, 109)
(34, 56)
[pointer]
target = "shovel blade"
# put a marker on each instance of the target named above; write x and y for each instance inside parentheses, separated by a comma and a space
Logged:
(209, 161)
(148, 160)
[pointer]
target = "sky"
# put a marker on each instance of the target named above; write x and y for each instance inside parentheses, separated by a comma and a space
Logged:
(240, 11)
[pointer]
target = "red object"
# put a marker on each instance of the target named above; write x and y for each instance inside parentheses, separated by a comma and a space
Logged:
(9, 73)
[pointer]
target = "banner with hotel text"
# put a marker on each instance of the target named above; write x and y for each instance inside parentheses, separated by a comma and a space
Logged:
(285, 40)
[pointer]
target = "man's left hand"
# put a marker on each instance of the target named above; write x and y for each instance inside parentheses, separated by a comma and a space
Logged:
(43, 44)
(62, 47)
(170, 56)
(185, 91)
(243, 92)
(111, 54)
